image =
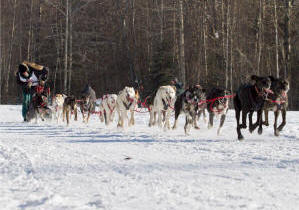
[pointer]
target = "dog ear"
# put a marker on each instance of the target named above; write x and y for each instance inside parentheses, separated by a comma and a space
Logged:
(203, 90)
(254, 77)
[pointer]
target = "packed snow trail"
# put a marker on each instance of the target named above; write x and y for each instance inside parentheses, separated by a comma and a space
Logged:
(90, 166)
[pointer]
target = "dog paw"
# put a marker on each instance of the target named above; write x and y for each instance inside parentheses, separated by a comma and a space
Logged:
(210, 126)
(265, 123)
(218, 131)
(243, 126)
(196, 127)
(276, 132)
(280, 128)
(240, 137)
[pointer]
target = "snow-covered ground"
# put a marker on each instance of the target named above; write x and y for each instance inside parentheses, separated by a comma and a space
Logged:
(52, 166)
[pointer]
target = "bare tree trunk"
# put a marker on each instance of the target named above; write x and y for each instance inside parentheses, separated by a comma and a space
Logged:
(71, 49)
(30, 32)
(1, 56)
(276, 38)
(182, 72)
(148, 36)
(205, 40)
(232, 29)
(65, 88)
(37, 33)
(227, 44)
(260, 34)
(199, 32)
(61, 72)
(223, 39)
(162, 20)
(174, 16)
(287, 38)
(58, 46)
(10, 48)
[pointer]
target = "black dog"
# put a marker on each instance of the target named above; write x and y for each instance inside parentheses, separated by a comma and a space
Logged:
(69, 106)
(217, 104)
(250, 98)
(87, 102)
(277, 101)
(38, 108)
(188, 102)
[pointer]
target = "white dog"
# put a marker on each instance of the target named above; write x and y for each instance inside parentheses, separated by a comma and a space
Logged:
(107, 108)
(57, 105)
(163, 105)
(126, 100)
(99, 108)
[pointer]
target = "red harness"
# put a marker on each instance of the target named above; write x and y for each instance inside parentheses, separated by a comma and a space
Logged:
(284, 98)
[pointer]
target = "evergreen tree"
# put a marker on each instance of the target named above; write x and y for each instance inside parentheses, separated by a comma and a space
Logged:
(163, 68)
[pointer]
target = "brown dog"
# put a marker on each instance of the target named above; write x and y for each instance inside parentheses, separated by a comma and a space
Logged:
(69, 106)
(277, 102)
(87, 102)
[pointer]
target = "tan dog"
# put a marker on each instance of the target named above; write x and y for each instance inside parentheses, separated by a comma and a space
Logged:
(69, 106)
(57, 105)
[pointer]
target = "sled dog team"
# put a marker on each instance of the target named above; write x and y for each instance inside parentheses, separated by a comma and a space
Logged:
(264, 95)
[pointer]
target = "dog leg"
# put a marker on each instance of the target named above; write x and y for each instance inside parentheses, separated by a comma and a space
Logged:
(167, 123)
(194, 118)
(111, 116)
(276, 131)
(67, 115)
(83, 116)
(222, 119)
(176, 115)
(251, 126)
(119, 119)
(150, 123)
(105, 117)
(244, 116)
(108, 118)
(132, 120)
(188, 124)
(88, 116)
(155, 118)
(160, 119)
(237, 105)
(284, 114)
(35, 113)
(124, 117)
(204, 116)
(266, 122)
(240, 136)
(102, 116)
(163, 114)
(260, 121)
(63, 114)
(211, 116)
(76, 113)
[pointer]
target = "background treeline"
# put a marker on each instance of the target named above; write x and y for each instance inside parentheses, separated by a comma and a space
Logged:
(111, 43)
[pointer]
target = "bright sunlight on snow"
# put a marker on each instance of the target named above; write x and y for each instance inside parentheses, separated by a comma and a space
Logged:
(90, 166)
